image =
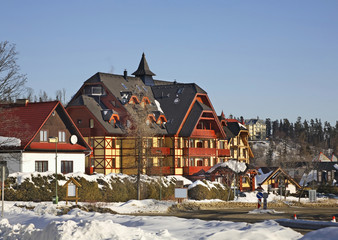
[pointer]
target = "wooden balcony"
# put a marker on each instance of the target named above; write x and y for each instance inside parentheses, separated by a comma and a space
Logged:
(191, 170)
(203, 133)
(160, 171)
(223, 152)
(160, 151)
(199, 151)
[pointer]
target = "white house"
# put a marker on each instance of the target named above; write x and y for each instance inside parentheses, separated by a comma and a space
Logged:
(40, 136)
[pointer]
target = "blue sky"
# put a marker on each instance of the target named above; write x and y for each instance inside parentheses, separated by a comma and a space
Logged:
(276, 59)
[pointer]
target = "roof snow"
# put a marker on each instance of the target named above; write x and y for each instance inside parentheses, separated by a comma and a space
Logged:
(307, 178)
(234, 165)
(10, 141)
(158, 105)
(262, 176)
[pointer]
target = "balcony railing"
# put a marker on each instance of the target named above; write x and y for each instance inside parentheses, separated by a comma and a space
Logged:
(204, 133)
(160, 151)
(192, 170)
(199, 151)
(223, 152)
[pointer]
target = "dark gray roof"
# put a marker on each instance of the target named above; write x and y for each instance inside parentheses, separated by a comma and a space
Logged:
(175, 100)
(123, 89)
(143, 68)
(327, 166)
(192, 120)
(96, 109)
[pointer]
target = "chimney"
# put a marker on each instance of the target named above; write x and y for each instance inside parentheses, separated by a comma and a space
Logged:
(22, 102)
(125, 74)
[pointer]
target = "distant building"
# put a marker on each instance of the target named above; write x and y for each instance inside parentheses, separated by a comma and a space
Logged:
(271, 179)
(238, 139)
(256, 128)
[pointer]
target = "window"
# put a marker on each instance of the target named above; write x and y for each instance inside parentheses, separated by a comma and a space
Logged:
(191, 143)
(91, 123)
(66, 167)
(160, 142)
(97, 90)
(43, 136)
(124, 86)
(148, 142)
(41, 166)
(62, 136)
(192, 162)
(178, 162)
(178, 143)
(180, 90)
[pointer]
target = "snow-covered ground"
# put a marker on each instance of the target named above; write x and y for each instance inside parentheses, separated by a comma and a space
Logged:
(28, 220)
(44, 221)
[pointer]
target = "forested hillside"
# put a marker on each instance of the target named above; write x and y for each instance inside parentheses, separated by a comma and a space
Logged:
(291, 142)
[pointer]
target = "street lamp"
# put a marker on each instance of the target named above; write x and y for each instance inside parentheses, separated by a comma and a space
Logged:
(52, 140)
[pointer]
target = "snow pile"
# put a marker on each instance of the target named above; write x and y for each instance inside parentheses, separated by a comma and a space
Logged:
(234, 165)
(165, 180)
(206, 183)
(324, 233)
(10, 141)
(141, 206)
(264, 211)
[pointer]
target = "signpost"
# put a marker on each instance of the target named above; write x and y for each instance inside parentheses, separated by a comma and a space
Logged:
(259, 195)
(265, 203)
(3, 175)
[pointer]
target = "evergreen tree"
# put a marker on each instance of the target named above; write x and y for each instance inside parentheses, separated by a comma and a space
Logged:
(268, 127)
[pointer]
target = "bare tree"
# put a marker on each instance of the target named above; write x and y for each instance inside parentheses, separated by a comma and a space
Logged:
(61, 95)
(11, 81)
(141, 129)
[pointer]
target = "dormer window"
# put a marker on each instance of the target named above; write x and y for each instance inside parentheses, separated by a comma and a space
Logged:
(97, 91)
(150, 119)
(145, 101)
(134, 100)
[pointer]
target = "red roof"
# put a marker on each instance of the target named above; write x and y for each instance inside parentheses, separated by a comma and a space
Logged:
(23, 121)
(51, 146)
(232, 120)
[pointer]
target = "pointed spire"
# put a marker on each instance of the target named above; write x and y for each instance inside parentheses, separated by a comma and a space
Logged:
(222, 115)
(143, 68)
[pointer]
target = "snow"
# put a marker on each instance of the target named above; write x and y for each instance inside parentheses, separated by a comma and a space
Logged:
(261, 176)
(10, 141)
(22, 223)
(30, 220)
(241, 125)
(158, 105)
(307, 178)
(234, 165)
(46, 222)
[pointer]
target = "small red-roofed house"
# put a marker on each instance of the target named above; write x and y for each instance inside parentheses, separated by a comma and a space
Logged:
(33, 134)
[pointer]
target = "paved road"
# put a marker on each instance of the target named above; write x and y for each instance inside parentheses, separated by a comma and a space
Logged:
(242, 214)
